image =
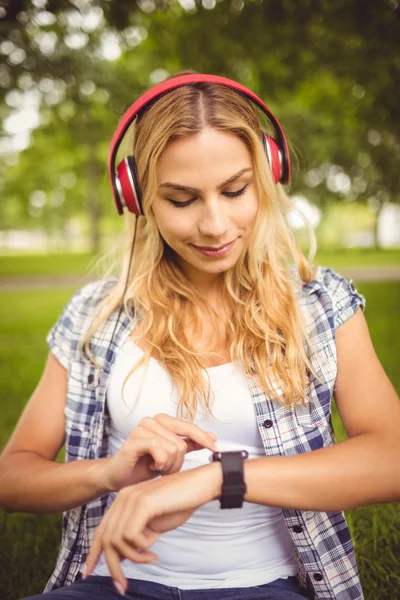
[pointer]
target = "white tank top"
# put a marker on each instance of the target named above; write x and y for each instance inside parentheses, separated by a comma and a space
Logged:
(214, 548)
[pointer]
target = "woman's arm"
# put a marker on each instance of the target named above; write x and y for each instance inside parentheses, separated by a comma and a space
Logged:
(365, 469)
(362, 470)
(31, 480)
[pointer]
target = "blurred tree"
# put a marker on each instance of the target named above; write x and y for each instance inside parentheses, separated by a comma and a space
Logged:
(60, 173)
(329, 69)
(77, 102)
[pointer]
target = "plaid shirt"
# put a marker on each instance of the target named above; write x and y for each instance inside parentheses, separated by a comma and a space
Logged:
(325, 553)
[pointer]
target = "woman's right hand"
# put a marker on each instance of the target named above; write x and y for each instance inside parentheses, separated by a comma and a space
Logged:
(157, 446)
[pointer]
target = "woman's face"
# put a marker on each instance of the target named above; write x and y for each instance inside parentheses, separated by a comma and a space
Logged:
(206, 198)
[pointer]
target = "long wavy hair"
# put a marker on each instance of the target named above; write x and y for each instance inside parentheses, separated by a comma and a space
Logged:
(266, 330)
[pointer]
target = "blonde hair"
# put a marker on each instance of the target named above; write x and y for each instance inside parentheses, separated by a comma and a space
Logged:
(267, 334)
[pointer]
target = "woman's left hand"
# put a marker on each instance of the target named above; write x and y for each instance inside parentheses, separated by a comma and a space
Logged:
(142, 511)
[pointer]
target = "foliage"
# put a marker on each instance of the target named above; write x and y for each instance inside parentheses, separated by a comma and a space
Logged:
(324, 67)
(329, 69)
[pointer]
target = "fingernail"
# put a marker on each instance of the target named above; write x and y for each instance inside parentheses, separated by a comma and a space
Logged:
(119, 588)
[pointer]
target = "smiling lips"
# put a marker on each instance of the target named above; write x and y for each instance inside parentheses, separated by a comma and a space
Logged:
(216, 252)
(211, 249)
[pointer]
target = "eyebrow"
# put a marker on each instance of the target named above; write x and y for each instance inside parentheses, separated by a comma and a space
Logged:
(184, 188)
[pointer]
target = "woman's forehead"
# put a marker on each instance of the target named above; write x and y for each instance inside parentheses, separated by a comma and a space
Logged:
(210, 153)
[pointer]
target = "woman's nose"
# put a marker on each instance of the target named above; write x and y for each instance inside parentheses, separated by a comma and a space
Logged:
(214, 221)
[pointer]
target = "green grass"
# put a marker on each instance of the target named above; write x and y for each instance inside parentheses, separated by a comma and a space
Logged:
(23, 348)
(29, 543)
(376, 529)
(34, 265)
(358, 257)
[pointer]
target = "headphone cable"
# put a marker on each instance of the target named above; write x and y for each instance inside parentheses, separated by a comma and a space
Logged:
(108, 358)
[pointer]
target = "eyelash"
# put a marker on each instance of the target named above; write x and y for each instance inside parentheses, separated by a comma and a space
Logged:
(229, 194)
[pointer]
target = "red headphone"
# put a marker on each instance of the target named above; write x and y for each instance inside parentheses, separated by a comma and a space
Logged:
(124, 180)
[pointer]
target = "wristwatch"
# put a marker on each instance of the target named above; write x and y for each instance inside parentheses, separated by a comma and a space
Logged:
(233, 484)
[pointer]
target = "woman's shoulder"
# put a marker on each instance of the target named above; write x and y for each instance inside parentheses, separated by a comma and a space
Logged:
(323, 277)
(79, 309)
(88, 296)
(332, 292)
(329, 281)
(76, 317)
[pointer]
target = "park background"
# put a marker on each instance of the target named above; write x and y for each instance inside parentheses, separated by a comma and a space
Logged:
(329, 70)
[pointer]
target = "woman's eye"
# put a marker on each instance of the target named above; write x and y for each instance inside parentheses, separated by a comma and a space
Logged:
(228, 194)
(179, 204)
(237, 193)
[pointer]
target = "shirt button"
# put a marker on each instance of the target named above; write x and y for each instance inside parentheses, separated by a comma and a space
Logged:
(297, 529)
(90, 378)
(318, 576)
(267, 423)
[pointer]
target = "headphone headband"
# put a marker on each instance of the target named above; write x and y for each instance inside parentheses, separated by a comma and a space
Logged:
(179, 81)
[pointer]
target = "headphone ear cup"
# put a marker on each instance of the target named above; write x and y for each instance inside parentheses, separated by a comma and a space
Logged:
(127, 183)
(274, 157)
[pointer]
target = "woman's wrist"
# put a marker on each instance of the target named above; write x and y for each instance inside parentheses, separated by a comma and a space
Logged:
(98, 476)
(211, 476)
(212, 480)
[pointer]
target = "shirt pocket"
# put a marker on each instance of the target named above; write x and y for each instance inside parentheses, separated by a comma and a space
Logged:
(304, 429)
(83, 381)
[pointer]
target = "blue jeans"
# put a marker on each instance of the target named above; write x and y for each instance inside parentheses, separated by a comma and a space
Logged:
(97, 587)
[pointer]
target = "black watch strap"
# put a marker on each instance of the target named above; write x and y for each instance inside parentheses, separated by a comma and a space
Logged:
(233, 484)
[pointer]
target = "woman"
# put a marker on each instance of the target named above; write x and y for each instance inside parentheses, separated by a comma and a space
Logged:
(210, 341)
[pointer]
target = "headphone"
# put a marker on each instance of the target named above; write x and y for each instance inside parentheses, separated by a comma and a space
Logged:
(124, 179)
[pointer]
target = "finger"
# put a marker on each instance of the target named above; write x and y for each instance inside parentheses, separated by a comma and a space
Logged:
(192, 446)
(136, 555)
(205, 439)
(176, 464)
(165, 453)
(108, 524)
(159, 429)
(174, 445)
(170, 521)
(158, 448)
(146, 430)
(114, 544)
(151, 535)
(113, 560)
(155, 425)
(137, 532)
(120, 525)
(94, 553)
(118, 550)
(176, 448)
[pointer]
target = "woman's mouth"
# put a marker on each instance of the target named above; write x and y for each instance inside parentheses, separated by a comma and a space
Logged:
(220, 251)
